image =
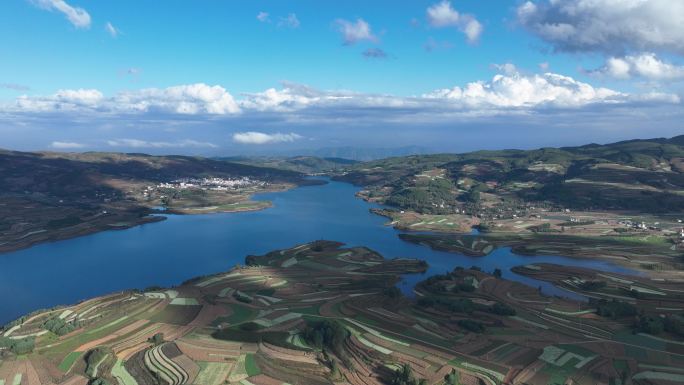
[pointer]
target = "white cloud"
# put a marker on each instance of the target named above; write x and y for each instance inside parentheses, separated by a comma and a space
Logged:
(548, 104)
(80, 96)
(189, 99)
(508, 92)
(506, 68)
(354, 32)
(66, 145)
(137, 143)
(112, 30)
(608, 26)
(185, 99)
(442, 15)
(263, 17)
(253, 137)
(290, 21)
(64, 100)
(291, 97)
(77, 16)
(646, 65)
(533, 91)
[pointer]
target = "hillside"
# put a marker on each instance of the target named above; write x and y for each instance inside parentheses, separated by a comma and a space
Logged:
(320, 314)
(49, 196)
(639, 175)
(303, 164)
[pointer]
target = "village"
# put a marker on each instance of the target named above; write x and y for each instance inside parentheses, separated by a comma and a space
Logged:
(214, 183)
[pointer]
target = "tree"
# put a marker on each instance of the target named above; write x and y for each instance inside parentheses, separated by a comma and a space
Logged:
(327, 334)
(674, 324)
(392, 292)
(497, 273)
(318, 247)
(404, 376)
(58, 326)
(471, 325)
(502, 309)
(157, 339)
(93, 358)
(650, 324)
(21, 346)
(615, 309)
(452, 378)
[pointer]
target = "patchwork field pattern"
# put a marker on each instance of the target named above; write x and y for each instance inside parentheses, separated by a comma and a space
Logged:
(322, 314)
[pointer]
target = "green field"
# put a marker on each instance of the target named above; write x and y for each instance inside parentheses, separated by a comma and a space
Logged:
(251, 366)
(69, 360)
(122, 375)
(240, 314)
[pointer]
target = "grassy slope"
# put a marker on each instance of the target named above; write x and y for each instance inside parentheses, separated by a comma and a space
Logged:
(646, 175)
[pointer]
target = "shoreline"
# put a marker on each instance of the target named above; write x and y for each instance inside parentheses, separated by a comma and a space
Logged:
(62, 236)
(152, 216)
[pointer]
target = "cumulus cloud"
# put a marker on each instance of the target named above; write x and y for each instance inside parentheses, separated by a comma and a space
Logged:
(263, 17)
(111, 30)
(553, 104)
(442, 15)
(646, 65)
(64, 100)
(66, 145)
(189, 99)
(374, 53)
(137, 143)
(253, 137)
(290, 97)
(607, 26)
(520, 91)
(290, 21)
(77, 16)
(508, 92)
(185, 99)
(355, 31)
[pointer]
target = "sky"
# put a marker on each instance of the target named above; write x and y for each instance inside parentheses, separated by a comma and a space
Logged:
(268, 77)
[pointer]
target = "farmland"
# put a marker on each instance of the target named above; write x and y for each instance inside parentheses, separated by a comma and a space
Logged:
(319, 313)
(615, 194)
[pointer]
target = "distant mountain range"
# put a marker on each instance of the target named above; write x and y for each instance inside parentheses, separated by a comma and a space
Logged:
(360, 153)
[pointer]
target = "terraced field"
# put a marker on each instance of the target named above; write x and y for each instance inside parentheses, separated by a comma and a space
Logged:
(336, 317)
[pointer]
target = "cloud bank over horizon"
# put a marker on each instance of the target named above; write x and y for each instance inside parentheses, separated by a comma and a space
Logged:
(509, 91)
(275, 114)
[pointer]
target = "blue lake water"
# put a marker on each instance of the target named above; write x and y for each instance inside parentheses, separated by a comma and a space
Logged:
(184, 246)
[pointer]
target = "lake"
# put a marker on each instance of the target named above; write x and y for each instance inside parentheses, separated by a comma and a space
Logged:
(184, 246)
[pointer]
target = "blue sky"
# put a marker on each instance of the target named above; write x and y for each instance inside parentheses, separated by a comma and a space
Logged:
(194, 77)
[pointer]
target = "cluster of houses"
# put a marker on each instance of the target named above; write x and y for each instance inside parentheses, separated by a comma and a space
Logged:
(639, 225)
(216, 184)
(213, 184)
